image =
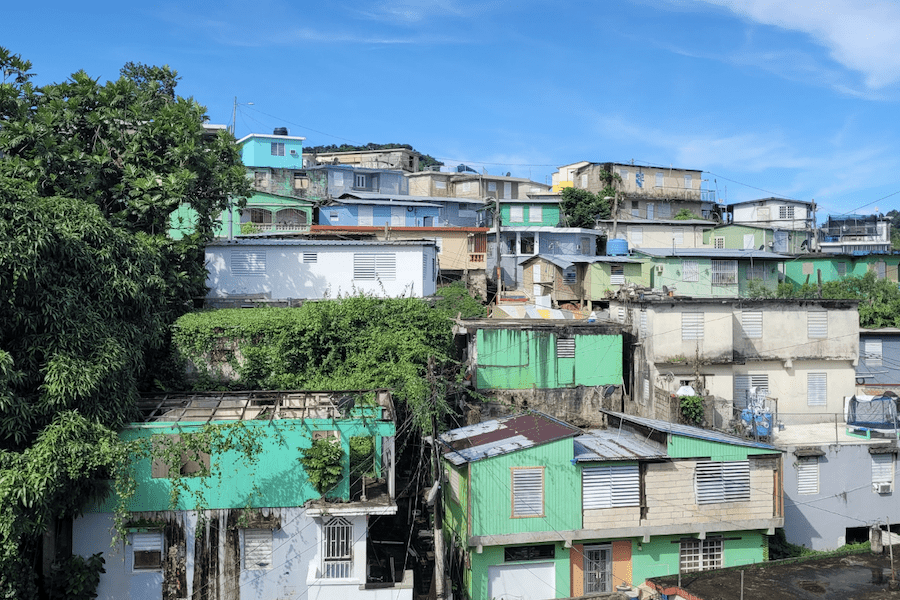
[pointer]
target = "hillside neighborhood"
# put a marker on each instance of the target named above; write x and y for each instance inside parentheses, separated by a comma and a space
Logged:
(234, 368)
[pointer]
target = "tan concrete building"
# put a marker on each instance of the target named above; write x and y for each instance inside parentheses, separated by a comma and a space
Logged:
(394, 158)
(472, 185)
(800, 354)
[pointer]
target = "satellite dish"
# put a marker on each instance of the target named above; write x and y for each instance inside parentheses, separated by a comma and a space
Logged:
(762, 247)
(608, 391)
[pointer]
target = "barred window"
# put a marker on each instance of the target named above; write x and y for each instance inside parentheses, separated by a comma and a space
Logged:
(337, 551)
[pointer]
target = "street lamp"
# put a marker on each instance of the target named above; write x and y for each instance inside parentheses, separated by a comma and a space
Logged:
(234, 112)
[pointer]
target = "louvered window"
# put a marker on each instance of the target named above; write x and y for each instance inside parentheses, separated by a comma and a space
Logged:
(751, 321)
(338, 545)
(722, 481)
(611, 486)
(621, 314)
(637, 235)
(690, 270)
(691, 326)
(677, 235)
(257, 549)
(248, 263)
(617, 274)
(535, 214)
(701, 555)
(310, 257)
(516, 214)
(528, 492)
(646, 394)
(565, 347)
(277, 149)
(872, 353)
(643, 324)
(369, 267)
(882, 469)
(816, 389)
(147, 550)
(817, 324)
(808, 475)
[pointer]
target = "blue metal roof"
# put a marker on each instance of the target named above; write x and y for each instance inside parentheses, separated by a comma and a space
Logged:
(689, 431)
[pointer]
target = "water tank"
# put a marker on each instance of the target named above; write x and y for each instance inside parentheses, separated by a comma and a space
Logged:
(280, 131)
(617, 247)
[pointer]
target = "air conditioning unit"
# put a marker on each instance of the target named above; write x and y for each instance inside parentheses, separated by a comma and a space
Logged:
(293, 153)
(882, 488)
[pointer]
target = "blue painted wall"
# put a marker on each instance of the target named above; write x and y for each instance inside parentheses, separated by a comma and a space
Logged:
(888, 371)
(348, 214)
(257, 152)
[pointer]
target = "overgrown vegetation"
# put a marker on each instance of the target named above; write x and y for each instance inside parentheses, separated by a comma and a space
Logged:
(323, 464)
(879, 304)
(89, 177)
(685, 214)
(356, 342)
(691, 409)
(454, 299)
(582, 208)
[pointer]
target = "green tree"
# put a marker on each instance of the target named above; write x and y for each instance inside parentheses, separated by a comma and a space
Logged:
(88, 177)
(685, 214)
(582, 208)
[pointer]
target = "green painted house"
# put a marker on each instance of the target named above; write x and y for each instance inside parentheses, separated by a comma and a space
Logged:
(222, 500)
(530, 213)
(750, 237)
(535, 508)
(264, 213)
(832, 267)
(711, 272)
(543, 354)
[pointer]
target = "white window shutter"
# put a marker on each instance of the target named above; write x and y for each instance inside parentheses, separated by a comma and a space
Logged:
(691, 326)
(882, 468)
(257, 548)
(816, 389)
(611, 486)
(817, 324)
(727, 481)
(751, 321)
(808, 475)
(528, 492)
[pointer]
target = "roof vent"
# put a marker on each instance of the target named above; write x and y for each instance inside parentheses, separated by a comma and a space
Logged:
(280, 131)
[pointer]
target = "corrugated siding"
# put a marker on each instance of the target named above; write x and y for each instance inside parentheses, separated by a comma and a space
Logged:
(610, 486)
(491, 491)
(686, 447)
(527, 492)
(808, 475)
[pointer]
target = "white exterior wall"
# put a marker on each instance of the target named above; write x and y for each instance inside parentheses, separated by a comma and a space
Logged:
(661, 235)
(296, 563)
(666, 343)
(287, 275)
(750, 214)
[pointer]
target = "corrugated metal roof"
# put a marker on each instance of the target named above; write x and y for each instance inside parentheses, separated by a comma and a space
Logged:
(255, 241)
(689, 431)
(615, 444)
(709, 253)
(413, 198)
(564, 261)
(676, 222)
(502, 436)
(382, 202)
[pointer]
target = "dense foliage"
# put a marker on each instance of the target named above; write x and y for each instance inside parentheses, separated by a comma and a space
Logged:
(454, 299)
(89, 175)
(425, 160)
(582, 208)
(323, 464)
(685, 214)
(879, 304)
(351, 343)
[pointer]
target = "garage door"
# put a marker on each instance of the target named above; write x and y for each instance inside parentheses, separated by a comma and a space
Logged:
(533, 581)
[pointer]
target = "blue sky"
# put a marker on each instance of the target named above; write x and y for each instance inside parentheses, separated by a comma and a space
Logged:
(792, 98)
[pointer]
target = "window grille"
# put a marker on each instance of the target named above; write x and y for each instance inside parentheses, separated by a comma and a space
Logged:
(690, 270)
(337, 553)
(724, 272)
(701, 555)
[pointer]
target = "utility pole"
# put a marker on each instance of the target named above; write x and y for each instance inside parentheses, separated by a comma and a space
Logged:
(439, 558)
(497, 248)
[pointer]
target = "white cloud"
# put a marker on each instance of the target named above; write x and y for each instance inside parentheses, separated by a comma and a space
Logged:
(861, 35)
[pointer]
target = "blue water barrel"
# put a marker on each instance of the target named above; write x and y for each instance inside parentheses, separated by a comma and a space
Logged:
(617, 247)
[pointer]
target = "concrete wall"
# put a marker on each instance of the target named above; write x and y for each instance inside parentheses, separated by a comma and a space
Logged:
(600, 278)
(887, 373)
(767, 214)
(551, 276)
(204, 559)
(394, 216)
(257, 152)
(287, 275)
(662, 235)
(845, 497)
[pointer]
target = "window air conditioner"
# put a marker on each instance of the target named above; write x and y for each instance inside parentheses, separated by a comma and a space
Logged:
(882, 488)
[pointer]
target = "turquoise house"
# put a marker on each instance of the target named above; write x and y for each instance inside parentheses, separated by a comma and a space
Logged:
(832, 267)
(705, 272)
(263, 213)
(535, 508)
(277, 151)
(543, 354)
(222, 501)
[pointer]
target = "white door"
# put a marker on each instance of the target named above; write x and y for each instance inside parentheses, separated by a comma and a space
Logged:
(365, 215)
(533, 581)
(650, 211)
(398, 214)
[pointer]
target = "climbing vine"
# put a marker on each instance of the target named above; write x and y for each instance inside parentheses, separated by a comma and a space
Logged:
(323, 463)
(692, 409)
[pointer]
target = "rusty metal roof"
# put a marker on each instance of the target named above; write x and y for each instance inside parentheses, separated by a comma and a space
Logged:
(615, 444)
(502, 436)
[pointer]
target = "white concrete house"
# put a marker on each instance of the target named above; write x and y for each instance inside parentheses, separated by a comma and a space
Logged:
(284, 269)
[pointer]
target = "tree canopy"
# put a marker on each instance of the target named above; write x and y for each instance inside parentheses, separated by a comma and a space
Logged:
(582, 208)
(89, 174)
